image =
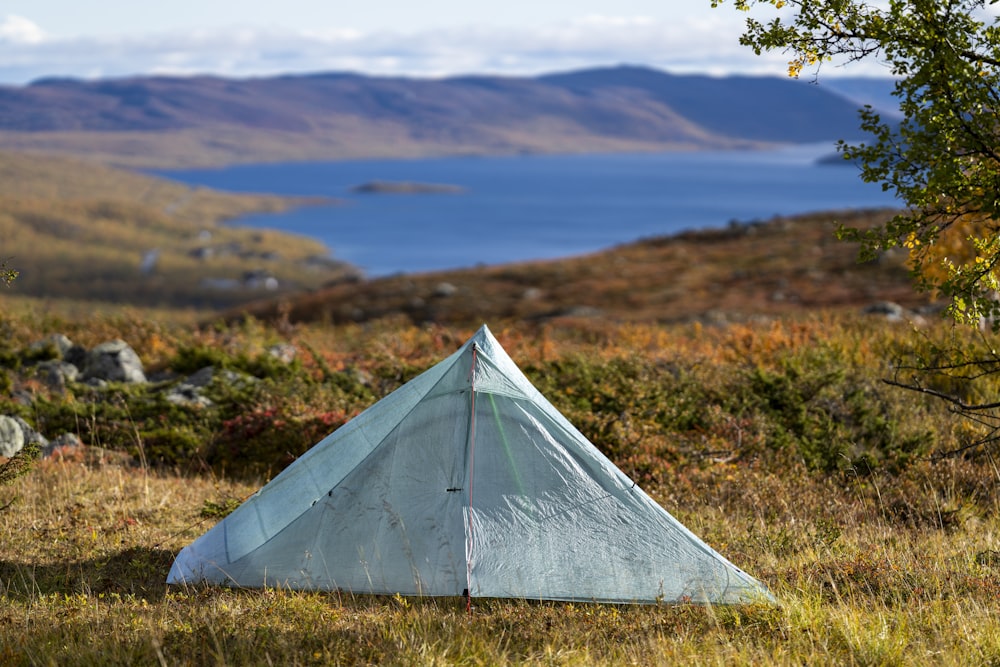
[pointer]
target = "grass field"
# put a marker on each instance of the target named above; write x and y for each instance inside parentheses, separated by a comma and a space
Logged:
(774, 441)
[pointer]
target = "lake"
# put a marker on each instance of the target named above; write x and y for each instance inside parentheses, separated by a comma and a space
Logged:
(539, 206)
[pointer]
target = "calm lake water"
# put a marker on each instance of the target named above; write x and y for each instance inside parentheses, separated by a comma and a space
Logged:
(532, 207)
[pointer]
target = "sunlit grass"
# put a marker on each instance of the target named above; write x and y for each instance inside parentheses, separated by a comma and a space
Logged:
(86, 548)
(872, 564)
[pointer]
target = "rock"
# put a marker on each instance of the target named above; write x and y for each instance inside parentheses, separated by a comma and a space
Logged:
(113, 361)
(188, 395)
(445, 290)
(283, 352)
(76, 355)
(30, 434)
(187, 392)
(200, 378)
(11, 436)
(360, 375)
(190, 391)
(260, 279)
(56, 373)
(532, 294)
(892, 311)
(60, 343)
(62, 445)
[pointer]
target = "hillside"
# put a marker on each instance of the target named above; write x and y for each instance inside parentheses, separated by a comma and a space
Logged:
(86, 235)
(783, 266)
(97, 235)
(175, 122)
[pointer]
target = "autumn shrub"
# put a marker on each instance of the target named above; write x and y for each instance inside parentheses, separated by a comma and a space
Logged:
(262, 442)
(830, 419)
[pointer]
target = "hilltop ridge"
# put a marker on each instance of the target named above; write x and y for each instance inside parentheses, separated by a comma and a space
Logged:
(160, 121)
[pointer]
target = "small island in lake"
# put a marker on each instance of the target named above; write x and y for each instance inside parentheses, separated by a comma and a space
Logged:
(406, 188)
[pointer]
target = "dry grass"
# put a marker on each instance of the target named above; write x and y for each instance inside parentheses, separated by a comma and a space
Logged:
(870, 565)
(86, 549)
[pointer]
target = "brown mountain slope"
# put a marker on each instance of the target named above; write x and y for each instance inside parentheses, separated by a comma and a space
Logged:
(783, 266)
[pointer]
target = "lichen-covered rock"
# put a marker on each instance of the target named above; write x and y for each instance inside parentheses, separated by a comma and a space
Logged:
(30, 434)
(283, 352)
(113, 361)
(58, 342)
(11, 436)
(190, 390)
(57, 374)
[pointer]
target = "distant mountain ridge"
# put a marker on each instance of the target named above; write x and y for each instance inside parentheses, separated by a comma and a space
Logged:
(171, 121)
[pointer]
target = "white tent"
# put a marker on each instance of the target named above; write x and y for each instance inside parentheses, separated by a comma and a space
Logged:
(465, 480)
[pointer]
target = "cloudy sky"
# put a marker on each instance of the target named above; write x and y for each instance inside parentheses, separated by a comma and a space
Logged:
(107, 38)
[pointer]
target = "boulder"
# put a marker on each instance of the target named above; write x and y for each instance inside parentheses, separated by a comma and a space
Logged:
(445, 290)
(893, 312)
(30, 434)
(283, 352)
(57, 374)
(113, 361)
(62, 445)
(190, 391)
(76, 355)
(58, 342)
(11, 436)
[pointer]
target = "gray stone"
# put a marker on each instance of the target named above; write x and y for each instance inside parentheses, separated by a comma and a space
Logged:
(60, 343)
(76, 355)
(189, 391)
(188, 396)
(445, 290)
(201, 378)
(114, 361)
(11, 436)
(62, 444)
(892, 311)
(283, 352)
(532, 294)
(56, 373)
(30, 434)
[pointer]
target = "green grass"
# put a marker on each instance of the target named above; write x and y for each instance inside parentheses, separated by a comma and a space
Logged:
(752, 435)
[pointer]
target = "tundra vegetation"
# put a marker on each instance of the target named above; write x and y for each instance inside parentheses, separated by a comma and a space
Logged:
(774, 440)
(94, 235)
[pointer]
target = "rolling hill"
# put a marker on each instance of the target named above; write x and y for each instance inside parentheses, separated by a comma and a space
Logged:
(780, 267)
(175, 122)
(97, 236)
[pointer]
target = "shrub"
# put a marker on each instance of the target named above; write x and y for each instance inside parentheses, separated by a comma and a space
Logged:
(264, 441)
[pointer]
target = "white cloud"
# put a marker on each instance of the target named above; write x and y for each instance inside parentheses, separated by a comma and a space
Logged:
(709, 46)
(19, 30)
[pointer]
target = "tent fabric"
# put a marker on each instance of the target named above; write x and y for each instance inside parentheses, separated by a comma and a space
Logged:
(465, 480)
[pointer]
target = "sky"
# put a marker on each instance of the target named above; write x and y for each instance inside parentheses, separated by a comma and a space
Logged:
(241, 38)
